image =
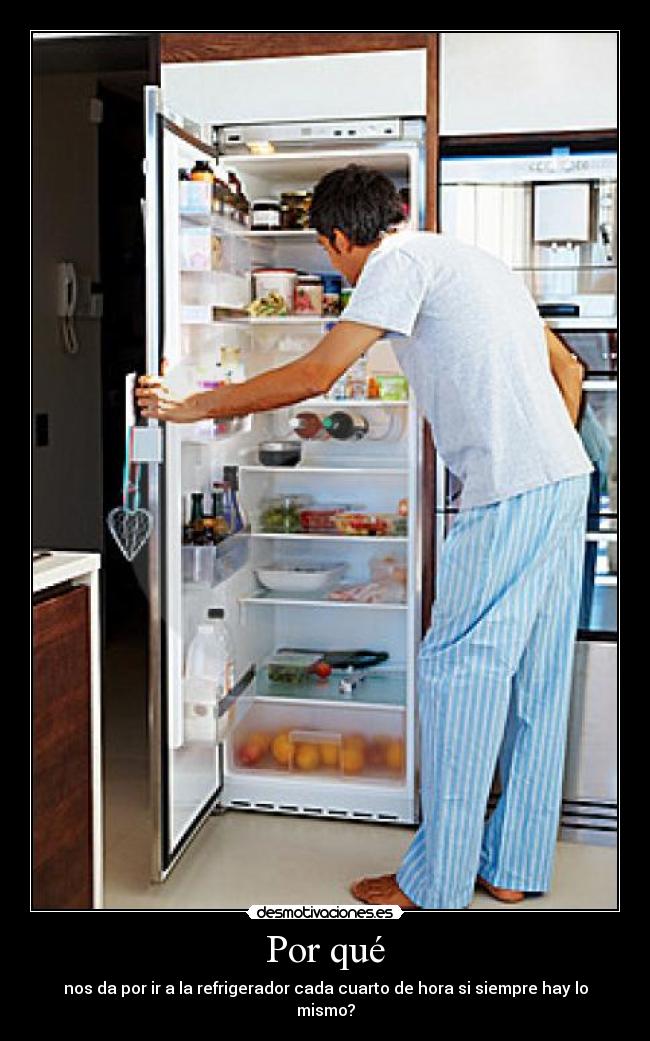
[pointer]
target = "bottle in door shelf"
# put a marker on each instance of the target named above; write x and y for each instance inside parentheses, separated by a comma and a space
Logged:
(344, 427)
(209, 677)
(234, 514)
(309, 427)
(215, 525)
(195, 530)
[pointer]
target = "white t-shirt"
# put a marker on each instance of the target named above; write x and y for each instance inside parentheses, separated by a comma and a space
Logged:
(472, 345)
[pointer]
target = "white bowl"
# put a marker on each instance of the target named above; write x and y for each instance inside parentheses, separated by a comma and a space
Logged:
(300, 579)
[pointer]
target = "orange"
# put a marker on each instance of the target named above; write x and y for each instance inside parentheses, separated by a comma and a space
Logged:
(395, 755)
(282, 748)
(353, 757)
(329, 753)
(307, 757)
(259, 737)
(377, 751)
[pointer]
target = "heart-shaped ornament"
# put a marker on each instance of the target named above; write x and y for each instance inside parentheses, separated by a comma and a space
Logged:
(130, 529)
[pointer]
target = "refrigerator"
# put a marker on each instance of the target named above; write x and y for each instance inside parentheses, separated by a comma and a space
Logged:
(199, 283)
(552, 217)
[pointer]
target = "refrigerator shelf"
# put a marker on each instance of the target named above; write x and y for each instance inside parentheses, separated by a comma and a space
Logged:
(268, 599)
(334, 537)
(386, 687)
(350, 403)
(228, 227)
(343, 467)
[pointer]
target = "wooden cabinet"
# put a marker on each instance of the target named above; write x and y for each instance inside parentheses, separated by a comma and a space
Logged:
(61, 760)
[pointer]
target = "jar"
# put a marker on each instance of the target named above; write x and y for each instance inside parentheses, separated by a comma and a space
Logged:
(295, 210)
(332, 285)
(266, 215)
(280, 280)
(201, 172)
(308, 297)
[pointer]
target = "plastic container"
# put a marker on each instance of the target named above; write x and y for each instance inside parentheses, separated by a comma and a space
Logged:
(276, 280)
(378, 524)
(350, 744)
(209, 677)
(321, 517)
(392, 386)
(195, 248)
(291, 667)
(195, 197)
(281, 514)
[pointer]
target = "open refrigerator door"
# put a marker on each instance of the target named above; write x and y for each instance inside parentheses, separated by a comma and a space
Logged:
(298, 529)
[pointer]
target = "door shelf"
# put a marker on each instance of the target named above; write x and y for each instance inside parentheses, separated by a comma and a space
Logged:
(268, 599)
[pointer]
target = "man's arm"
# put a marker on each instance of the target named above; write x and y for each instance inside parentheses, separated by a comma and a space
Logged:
(568, 372)
(307, 377)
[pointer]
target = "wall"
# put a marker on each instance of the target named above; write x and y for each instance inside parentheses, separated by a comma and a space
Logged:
(67, 475)
(499, 82)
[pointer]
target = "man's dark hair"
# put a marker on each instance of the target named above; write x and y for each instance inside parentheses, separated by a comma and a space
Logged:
(359, 201)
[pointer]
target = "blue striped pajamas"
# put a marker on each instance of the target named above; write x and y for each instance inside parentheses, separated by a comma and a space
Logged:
(494, 683)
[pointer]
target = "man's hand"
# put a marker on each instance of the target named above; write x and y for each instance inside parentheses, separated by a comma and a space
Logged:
(156, 402)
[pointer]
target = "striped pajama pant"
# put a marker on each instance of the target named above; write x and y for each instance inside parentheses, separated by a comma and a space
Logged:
(494, 686)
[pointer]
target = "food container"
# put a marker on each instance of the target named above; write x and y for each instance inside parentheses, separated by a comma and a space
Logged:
(195, 197)
(281, 514)
(280, 453)
(344, 744)
(308, 296)
(195, 248)
(378, 524)
(275, 280)
(298, 578)
(266, 215)
(291, 667)
(295, 210)
(392, 386)
(332, 285)
(321, 517)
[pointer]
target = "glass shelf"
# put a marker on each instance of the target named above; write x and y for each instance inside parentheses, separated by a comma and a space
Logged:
(376, 539)
(269, 599)
(380, 687)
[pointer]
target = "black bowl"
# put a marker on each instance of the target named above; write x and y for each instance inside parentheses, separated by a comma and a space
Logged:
(280, 453)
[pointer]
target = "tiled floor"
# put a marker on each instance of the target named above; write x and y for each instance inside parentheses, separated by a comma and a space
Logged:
(240, 858)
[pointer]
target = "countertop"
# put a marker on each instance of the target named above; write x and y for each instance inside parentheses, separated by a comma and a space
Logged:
(62, 567)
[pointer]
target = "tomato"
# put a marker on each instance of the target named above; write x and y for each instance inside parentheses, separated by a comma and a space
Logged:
(323, 670)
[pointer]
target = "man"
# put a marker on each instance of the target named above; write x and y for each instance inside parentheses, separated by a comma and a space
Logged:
(495, 666)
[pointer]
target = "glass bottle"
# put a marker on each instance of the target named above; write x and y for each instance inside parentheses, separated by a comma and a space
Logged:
(233, 509)
(344, 427)
(197, 528)
(308, 426)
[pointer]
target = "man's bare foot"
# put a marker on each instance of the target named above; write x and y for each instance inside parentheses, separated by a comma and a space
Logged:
(506, 896)
(382, 890)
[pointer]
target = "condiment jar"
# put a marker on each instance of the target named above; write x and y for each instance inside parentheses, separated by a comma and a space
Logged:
(309, 295)
(266, 215)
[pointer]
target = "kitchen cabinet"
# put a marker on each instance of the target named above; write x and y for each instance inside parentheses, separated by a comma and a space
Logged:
(66, 818)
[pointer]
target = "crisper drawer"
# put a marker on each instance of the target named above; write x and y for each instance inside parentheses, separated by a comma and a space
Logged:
(327, 742)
